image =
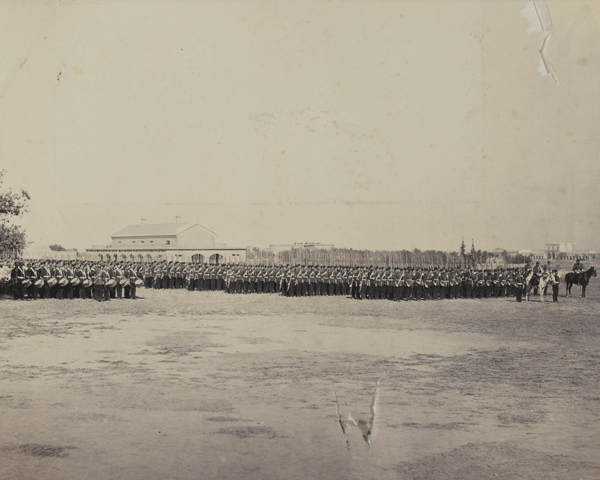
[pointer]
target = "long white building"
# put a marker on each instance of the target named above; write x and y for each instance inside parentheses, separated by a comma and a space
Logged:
(184, 242)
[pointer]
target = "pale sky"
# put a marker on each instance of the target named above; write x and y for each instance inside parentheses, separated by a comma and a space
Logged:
(366, 124)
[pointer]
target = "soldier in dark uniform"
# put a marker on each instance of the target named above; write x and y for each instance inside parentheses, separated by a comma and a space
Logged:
(339, 281)
(519, 285)
(31, 275)
(88, 270)
(408, 284)
(45, 274)
(354, 280)
(271, 279)
(392, 281)
(279, 279)
(495, 287)
(299, 281)
(510, 282)
(156, 275)
(108, 290)
(166, 270)
(117, 274)
(58, 274)
(100, 278)
(488, 284)
(480, 284)
(452, 284)
(378, 283)
(363, 284)
(149, 275)
(17, 275)
(260, 280)
(577, 270)
(370, 283)
(555, 282)
(312, 282)
(323, 280)
(444, 283)
(435, 284)
(304, 276)
(68, 274)
(79, 273)
(418, 289)
(346, 280)
(469, 280)
(502, 283)
(131, 287)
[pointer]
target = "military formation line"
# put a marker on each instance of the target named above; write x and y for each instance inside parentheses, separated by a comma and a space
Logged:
(108, 280)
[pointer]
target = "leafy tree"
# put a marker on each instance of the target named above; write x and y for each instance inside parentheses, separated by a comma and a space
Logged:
(57, 248)
(12, 206)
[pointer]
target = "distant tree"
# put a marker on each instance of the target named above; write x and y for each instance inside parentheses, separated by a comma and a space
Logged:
(484, 257)
(12, 206)
(57, 248)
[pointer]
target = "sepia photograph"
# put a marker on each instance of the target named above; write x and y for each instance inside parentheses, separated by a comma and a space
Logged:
(299, 239)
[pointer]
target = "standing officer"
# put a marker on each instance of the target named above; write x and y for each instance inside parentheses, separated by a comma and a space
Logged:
(68, 274)
(80, 274)
(408, 284)
(555, 281)
(59, 275)
(130, 288)
(519, 285)
(17, 275)
(100, 287)
(31, 275)
(45, 273)
(118, 275)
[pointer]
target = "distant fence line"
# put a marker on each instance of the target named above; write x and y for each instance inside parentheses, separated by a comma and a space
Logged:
(381, 258)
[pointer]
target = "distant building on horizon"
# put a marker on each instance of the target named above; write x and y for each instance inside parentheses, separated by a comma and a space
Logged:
(183, 242)
(298, 246)
(559, 251)
(555, 248)
(44, 252)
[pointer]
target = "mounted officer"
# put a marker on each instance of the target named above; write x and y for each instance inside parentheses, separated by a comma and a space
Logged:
(577, 270)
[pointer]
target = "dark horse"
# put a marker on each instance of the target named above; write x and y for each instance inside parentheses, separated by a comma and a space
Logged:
(581, 279)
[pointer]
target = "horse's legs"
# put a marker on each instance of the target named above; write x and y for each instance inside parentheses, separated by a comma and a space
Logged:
(583, 291)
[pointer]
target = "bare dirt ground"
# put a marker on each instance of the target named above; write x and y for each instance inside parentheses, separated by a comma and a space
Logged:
(189, 385)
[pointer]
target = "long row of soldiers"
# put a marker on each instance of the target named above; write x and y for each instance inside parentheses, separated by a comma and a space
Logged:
(74, 279)
(102, 281)
(358, 282)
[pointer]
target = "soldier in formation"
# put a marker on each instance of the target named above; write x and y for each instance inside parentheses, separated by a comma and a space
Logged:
(56, 279)
(361, 283)
(117, 280)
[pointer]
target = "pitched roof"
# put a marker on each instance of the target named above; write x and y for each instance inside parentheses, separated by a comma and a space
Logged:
(157, 229)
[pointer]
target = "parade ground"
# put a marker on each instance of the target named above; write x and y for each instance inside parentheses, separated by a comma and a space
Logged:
(201, 385)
